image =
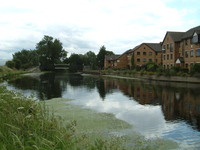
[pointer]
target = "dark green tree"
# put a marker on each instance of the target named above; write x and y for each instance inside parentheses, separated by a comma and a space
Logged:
(90, 60)
(75, 62)
(10, 64)
(50, 52)
(132, 61)
(101, 57)
(25, 59)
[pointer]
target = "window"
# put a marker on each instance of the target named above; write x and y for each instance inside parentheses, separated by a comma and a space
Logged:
(164, 47)
(138, 53)
(144, 53)
(171, 56)
(150, 60)
(167, 56)
(186, 54)
(164, 56)
(171, 47)
(191, 53)
(198, 52)
(144, 60)
(138, 60)
(150, 53)
(186, 42)
(167, 46)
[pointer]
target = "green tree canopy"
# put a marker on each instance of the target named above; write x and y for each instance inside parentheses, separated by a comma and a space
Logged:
(76, 62)
(101, 56)
(90, 59)
(50, 52)
(25, 59)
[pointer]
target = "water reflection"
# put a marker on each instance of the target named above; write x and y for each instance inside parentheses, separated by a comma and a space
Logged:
(155, 109)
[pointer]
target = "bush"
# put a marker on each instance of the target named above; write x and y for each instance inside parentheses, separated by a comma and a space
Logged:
(152, 67)
(195, 69)
(10, 64)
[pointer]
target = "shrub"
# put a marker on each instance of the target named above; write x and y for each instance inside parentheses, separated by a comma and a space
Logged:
(195, 69)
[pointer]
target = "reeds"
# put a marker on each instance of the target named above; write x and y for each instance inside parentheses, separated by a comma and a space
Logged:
(28, 125)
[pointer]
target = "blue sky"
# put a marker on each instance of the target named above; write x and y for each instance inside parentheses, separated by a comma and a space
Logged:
(85, 25)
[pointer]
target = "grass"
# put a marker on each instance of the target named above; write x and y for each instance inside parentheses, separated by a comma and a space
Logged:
(8, 73)
(30, 125)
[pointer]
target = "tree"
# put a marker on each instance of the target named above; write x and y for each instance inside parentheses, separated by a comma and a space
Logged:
(25, 59)
(132, 61)
(101, 57)
(50, 52)
(10, 64)
(90, 59)
(75, 63)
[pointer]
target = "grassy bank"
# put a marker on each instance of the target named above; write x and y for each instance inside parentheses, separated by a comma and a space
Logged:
(25, 124)
(8, 73)
(29, 125)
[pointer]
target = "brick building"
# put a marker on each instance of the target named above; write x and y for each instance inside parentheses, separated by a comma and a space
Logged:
(189, 48)
(170, 48)
(181, 48)
(147, 52)
(109, 61)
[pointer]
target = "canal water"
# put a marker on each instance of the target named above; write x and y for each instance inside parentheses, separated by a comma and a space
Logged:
(155, 109)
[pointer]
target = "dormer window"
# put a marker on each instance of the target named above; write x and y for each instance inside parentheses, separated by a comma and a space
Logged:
(195, 38)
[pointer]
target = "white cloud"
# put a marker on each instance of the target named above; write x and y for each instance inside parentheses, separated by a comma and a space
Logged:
(119, 25)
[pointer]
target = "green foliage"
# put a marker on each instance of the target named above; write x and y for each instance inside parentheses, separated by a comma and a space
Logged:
(101, 56)
(195, 70)
(76, 62)
(152, 67)
(50, 52)
(132, 62)
(90, 60)
(24, 59)
(10, 64)
(28, 125)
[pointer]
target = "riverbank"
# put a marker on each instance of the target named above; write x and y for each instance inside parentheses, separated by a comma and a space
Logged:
(147, 76)
(8, 73)
(56, 124)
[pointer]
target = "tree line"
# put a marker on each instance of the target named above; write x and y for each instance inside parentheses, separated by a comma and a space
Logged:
(49, 51)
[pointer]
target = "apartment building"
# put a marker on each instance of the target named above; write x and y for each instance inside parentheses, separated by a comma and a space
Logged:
(177, 49)
(147, 52)
(170, 48)
(118, 61)
(189, 49)
(109, 61)
(181, 48)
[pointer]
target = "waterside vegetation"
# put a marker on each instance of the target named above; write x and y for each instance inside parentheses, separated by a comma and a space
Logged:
(26, 124)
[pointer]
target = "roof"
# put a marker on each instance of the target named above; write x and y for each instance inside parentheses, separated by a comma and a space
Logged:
(155, 46)
(111, 57)
(189, 33)
(176, 36)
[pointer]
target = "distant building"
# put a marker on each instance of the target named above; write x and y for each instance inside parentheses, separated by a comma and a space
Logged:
(190, 47)
(109, 61)
(170, 48)
(177, 49)
(147, 52)
(181, 48)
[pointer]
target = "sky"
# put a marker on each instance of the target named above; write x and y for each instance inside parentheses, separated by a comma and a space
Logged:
(86, 25)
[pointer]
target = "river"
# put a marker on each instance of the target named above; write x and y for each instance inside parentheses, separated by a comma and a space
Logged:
(155, 109)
